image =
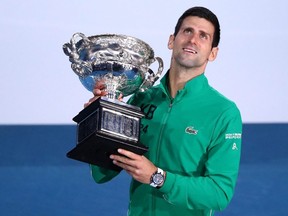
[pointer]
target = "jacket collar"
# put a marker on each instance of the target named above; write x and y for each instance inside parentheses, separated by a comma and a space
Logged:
(192, 88)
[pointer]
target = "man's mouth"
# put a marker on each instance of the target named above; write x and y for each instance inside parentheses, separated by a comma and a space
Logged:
(190, 50)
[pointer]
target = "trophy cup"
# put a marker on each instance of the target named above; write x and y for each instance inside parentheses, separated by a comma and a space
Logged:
(120, 63)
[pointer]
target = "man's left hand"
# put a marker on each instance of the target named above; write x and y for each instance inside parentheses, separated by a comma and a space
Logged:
(138, 166)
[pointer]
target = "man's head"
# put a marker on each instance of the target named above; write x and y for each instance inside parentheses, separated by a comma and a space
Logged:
(202, 13)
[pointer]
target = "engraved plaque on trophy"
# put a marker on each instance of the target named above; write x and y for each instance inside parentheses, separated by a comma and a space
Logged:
(120, 63)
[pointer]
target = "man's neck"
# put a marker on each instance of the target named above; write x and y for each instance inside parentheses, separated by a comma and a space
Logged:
(178, 79)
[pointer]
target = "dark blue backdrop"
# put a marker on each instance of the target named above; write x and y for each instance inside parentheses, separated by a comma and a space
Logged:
(36, 178)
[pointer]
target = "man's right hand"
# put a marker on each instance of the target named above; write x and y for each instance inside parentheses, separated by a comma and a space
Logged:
(98, 91)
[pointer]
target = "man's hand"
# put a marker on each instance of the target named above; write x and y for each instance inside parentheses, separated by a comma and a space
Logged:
(98, 91)
(138, 166)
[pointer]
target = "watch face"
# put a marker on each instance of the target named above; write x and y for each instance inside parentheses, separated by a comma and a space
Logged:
(158, 178)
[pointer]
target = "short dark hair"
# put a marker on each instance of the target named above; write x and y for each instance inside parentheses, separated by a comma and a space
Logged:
(205, 13)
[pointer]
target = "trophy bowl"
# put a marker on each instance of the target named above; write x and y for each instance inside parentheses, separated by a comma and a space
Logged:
(121, 64)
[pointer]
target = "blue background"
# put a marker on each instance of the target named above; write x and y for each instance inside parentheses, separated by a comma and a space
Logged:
(36, 178)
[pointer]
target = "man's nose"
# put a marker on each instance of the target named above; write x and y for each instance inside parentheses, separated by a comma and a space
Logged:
(193, 38)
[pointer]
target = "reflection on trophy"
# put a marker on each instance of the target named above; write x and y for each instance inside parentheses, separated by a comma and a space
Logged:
(120, 63)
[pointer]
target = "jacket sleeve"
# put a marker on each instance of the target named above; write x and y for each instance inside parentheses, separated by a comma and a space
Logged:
(102, 175)
(215, 188)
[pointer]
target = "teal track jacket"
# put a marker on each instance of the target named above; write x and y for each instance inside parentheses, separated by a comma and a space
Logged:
(196, 139)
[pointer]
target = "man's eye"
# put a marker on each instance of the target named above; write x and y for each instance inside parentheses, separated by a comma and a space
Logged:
(188, 31)
(204, 36)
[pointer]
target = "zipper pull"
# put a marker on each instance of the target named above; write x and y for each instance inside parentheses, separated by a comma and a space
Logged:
(171, 102)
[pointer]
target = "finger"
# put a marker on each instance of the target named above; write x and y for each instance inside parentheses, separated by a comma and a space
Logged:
(120, 97)
(97, 92)
(86, 104)
(91, 100)
(121, 159)
(123, 166)
(131, 170)
(103, 93)
(100, 85)
(128, 154)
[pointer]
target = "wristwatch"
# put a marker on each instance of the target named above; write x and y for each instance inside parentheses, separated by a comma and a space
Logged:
(157, 178)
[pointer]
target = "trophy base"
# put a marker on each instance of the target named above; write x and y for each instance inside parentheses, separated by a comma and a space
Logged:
(103, 127)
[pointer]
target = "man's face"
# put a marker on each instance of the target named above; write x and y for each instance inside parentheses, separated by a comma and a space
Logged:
(192, 46)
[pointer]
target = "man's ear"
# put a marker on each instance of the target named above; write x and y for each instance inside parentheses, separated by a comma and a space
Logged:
(171, 42)
(213, 54)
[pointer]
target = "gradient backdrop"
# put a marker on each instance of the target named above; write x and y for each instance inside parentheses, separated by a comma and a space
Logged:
(40, 94)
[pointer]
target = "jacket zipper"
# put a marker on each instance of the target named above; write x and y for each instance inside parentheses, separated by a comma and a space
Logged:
(162, 129)
(163, 122)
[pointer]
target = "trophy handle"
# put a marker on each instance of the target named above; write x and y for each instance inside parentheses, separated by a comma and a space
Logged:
(70, 49)
(80, 67)
(152, 77)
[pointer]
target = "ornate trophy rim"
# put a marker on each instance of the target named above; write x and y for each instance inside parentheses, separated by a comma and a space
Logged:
(115, 37)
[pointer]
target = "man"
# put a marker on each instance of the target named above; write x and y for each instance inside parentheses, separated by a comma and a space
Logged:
(192, 131)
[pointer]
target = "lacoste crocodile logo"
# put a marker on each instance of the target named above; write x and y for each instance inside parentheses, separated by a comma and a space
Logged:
(191, 130)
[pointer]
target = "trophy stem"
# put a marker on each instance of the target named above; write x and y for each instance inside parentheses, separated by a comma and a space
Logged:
(111, 90)
(112, 84)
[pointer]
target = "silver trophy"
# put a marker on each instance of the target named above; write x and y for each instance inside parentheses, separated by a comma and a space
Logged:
(120, 63)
